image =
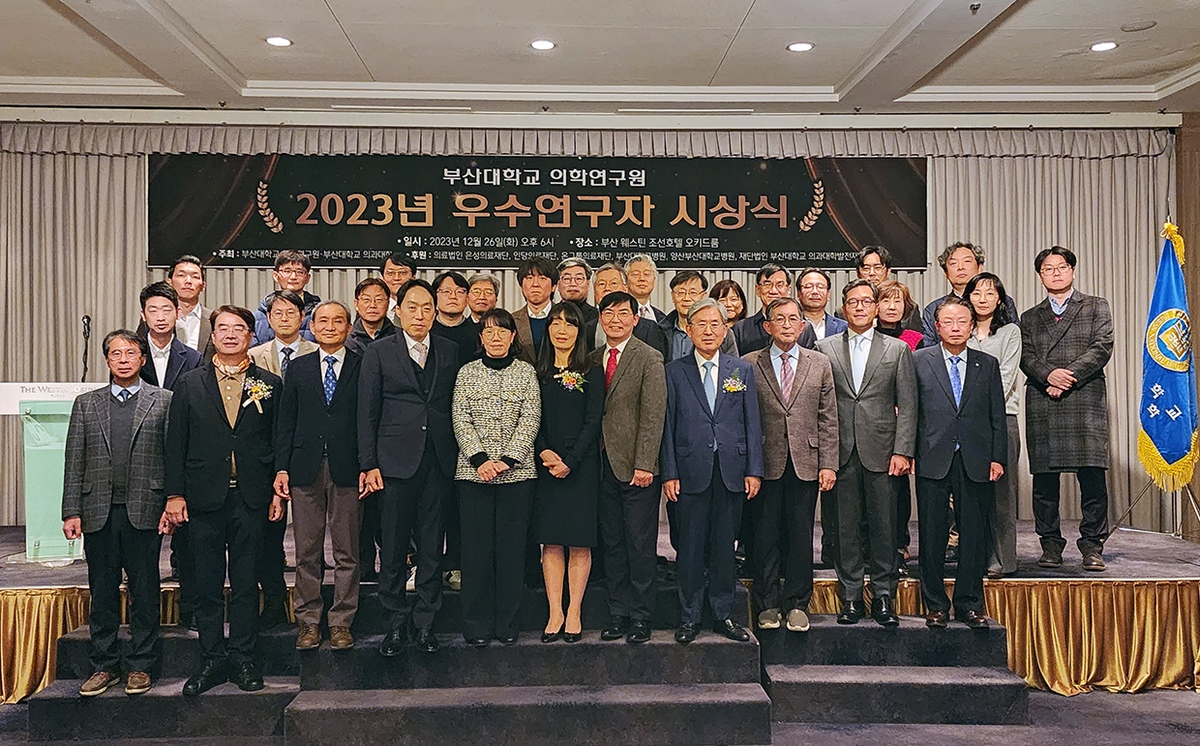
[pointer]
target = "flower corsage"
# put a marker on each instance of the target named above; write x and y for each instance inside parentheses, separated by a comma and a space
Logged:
(571, 380)
(734, 383)
(256, 391)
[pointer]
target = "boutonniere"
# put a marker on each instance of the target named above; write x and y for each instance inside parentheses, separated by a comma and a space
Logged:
(734, 383)
(256, 391)
(571, 380)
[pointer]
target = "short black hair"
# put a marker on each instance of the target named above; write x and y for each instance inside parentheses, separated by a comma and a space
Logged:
(1000, 316)
(769, 269)
(371, 282)
(537, 265)
(400, 259)
(578, 359)
(290, 296)
(885, 256)
(953, 300)
(859, 283)
(186, 259)
(158, 290)
(1045, 254)
(128, 336)
(456, 277)
(814, 271)
(412, 284)
(242, 313)
(616, 298)
(687, 275)
(503, 319)
(291, 256)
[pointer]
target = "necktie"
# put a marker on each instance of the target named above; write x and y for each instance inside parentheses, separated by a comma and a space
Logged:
(787, 376)
(330, 378)
(123, 395)
(955, 379)
(858, 361)
(710, 390)
(420, 353)
(610, 369)
(646, 313)
(287, 358)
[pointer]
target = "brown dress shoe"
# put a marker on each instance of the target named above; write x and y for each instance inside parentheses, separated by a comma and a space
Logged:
(973, 619)
(308, 637)
(97, 684)
(936, 619)
(137, 682)
(340, 638)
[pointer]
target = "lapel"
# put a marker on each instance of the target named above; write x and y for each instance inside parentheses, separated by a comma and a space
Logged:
(1056, 329)
(524, 332)
(403, 362)
(214, 393)
(174, 363)
(624, 361)
(145, 401)
(101, 404)
(803, 368)
(349, 365)
(969, 383)
(874, 355)
(937, 364)
(439, 359)
(692, 373)
(205, 329)
(304, 348)
(841, 362)
(725, 368)
(768, 372)
(251, 372)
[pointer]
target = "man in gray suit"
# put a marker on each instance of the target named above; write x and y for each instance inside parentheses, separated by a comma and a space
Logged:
(798, 408)
(113, 497)
(877, 425)
(634, 415)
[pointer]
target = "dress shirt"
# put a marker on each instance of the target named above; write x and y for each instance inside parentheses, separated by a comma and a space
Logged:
(187, 328)
(542, 314)
(858, 357)
(294, 347)
(160, 357)
(340, 355)
(818, 327)
(713, 386)
(961, 365)
(777, 361)
(1060, 308)
(646, 311)
(619, 348)
(114, 389)
(410, 343)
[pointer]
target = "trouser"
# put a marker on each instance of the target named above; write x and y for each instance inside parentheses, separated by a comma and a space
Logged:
(116, 546)
(829, 527)
(870, 495)
(271, 560)
(230, 537)
(629, 528)
(452, 556)
(412, 509)
(495, 524)
(181, 560)
(708, 523)
(971, 511)
(370, 533)
(1093, 502)
(315, 507)
(784, 511)
(903, 512)
(1004, 518)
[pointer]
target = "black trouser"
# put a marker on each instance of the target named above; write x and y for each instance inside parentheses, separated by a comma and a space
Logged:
(236, 530)
(412, 509)
(829, 527)
(370, 533)
(452, 523)
(708, 523)
(973, 503)
(903, 513)
(784, 511)
(629, 528)
(495, 524)
(116, 546)
(870, 496)
(271, 560)
(1093, 502)
(181, 560)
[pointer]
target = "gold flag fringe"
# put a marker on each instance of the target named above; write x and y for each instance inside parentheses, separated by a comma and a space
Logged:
(1168, 477)
(1171, 233)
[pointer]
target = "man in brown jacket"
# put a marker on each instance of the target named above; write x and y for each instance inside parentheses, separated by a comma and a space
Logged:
(798, 407)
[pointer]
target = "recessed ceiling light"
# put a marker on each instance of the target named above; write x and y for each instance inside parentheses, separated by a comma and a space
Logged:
(800, 46)
(1136, 26)
(1104, 46)
(542, 45)
(279, 41)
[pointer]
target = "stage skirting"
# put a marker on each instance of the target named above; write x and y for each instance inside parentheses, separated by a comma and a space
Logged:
(1065, 636)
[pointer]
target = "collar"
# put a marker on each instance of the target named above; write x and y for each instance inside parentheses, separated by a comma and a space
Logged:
(700, 361)
(114, 389)
(339, 353)
(868, 335)
(156, 351)
(619, 348)
(777, 353)
(409, 342)
(192, 314)
(1057, 307)
(946, 354)
(294, 346)
(226, 371)
(542, 314)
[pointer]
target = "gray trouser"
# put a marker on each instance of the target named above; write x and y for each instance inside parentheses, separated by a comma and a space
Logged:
(1004, 520)
(862, 493)
(314, 507)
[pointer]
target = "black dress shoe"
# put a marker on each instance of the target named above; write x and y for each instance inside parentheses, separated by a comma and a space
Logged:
(884, 612)
(639, 632)
(274, 612)
(973, 619)
(548, 637)
(426, 641)
(212, 673)
(686, 633)
(507, 639)
(393, 643)
(573, 636)
(852, 612)
(476, 642)
(248, 677)
(616, 629)
(732, 630)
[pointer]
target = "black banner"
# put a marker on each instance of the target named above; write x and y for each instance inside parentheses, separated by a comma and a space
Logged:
(483, 211)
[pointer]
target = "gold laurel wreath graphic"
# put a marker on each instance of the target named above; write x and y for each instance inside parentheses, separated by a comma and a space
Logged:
(264, 209)
(818, 207)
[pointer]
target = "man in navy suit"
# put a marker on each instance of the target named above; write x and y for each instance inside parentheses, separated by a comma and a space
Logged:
(962, 447)
(711, 458)
(169, 357)
(812, 290)
(407, 449)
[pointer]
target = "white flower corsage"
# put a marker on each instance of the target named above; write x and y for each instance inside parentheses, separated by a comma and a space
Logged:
(734, 383)
(256, 391)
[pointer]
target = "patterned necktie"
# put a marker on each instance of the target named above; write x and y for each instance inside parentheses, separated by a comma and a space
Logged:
(710, 391)
(646, 312)
(787, 376)
(330, 378)
(420, 353)
(287, 358)
(123, 395)
(610, 369)
(955, 379)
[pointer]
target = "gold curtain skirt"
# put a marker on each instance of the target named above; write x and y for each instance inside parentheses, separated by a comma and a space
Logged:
(1065, 636)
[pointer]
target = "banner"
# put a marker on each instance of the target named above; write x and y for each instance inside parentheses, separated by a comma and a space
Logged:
(477, 212)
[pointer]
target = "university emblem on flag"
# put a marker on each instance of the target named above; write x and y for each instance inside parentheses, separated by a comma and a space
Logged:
(1169, 340)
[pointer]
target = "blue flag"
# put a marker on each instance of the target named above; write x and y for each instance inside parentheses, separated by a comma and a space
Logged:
(1167, 438)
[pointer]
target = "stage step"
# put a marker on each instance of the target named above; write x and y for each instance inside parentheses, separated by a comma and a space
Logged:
(589, 662)
(867, 644)
(58, 713)
(897, 694)
(530, 716)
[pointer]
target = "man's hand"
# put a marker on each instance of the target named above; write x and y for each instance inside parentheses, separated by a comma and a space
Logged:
(176, 510)
(373, 481)
(826, 479)
(164, 525)
(363, 490)
(752, 486)
(642, 478)
(72, 528)
(996, 471)
(1061, 378)
(277, 511)
(671, 489)
(281, 486)
(899, 466)
(1055, 392)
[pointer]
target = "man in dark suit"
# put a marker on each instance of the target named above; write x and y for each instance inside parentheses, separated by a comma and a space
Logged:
(962, 447)
(812, 289)
(611, 278)
(220, 458)
(316, 468)
(771, 282)
(635, 404)
(877, 422)
(711, 457)
(407, 449)
(538, 276)
(960, 261)
(168, 357)
(194, 324)
(575, 285)
(642, 276)
(113, 499)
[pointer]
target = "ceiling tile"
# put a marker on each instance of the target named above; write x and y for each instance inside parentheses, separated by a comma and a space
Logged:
(759, 57)
(768, 14)
(540, 14)
(35, 40)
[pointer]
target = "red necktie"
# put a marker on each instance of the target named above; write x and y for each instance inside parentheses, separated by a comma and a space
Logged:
(610, 369)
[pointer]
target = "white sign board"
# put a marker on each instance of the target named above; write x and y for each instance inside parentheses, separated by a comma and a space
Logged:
(12, 394)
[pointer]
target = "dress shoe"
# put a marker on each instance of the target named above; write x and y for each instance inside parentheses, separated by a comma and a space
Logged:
(1050, 558)
(476, 642)
(369, 576)
(248, 677)
(137, 682)
(770, 619)
(616, 629)
(852, 612)
(639, 632)
(952, 554)
(548, 637)
(308, 637)
(797, 621)
(212, 673)
(573, 636)
(340, 638)
(98, 683)
(274, 612)
(936, 619)
(732, 630)
(994, 573)
(454, 580)
(507, 639)
(1093, 562)
(686, 633)
(426, 641)
(883, 611)
(972, 619)
(393, 642)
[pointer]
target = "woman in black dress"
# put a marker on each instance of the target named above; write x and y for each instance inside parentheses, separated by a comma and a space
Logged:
(568, 447)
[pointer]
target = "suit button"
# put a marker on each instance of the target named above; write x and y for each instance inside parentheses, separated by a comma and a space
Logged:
(424, 428)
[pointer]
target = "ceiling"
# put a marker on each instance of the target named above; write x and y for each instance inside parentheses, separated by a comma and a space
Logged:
(612, 56)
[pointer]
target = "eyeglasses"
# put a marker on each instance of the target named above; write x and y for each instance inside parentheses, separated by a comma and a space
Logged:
(124, 354)
(397, 274)
(292, 272)
(483, 293)
(611, 313)
(572, 280)
(453, 292)
(781, 285)
(859, 302)
(1058, 269)
(227, 329)
(810, 286)
(686, 294)
(290, 313)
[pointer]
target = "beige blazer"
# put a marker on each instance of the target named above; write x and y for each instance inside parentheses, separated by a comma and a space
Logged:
(806, 425)
(266, 355)
(635, 409)
(525, 335)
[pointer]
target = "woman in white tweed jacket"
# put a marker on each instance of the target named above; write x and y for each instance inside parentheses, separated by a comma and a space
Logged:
(496, 413)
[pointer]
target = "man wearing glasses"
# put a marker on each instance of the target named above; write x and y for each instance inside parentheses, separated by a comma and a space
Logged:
(687, 287)
(397, 269)
(483, 295)
(452, 291)
(293, 270)
(813, 285)
(575, 284)
(771, 282)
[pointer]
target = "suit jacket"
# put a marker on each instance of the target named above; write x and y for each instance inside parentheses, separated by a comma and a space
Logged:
(804, 426)
(200, 441)
(397, 416)
(634, 408)
(881, 419)
(833, 327)
(181, 359)
(309, 429)
(87, 475)
(751, 336)
(204, 343)
(646, 330)
(976, 424)
(266, 355)
(529, 353)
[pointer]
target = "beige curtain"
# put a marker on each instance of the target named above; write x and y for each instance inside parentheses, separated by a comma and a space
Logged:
(73, 230)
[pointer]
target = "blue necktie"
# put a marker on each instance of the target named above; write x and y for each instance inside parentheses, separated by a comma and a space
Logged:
(955, 379)
(710, 391)
(287, 358)
(123, 395)
(330, 378)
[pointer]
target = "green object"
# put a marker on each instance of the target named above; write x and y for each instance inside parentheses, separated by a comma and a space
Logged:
(44, 427)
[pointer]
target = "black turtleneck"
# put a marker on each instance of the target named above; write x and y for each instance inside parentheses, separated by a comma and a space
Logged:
(498, 363)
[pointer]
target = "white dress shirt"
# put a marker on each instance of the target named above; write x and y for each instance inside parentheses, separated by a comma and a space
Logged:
(410, 343)
(818, 326)
(716, 361)
(279, 348)
(339, 357)
(160, 357)
(187, 328)
(545, 312)
(858, 355)
(620, 351)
